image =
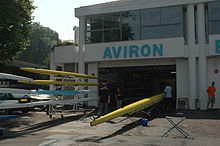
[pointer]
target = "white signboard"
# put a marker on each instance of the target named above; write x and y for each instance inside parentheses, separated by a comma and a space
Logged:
(142, 49)
(214, 45)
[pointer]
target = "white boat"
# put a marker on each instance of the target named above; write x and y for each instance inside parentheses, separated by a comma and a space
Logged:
(14, 77)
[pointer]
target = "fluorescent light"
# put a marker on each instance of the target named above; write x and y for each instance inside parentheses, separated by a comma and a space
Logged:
(173, 72)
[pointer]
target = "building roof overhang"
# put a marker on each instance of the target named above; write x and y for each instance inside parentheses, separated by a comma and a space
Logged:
(125, 5)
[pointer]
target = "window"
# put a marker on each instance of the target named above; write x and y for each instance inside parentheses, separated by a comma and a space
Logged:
(214, 27)
(103, 28)
(171, 15)
(130, 25)
(94, 22)
(94, 25)
(112, 35)
(94, 37)
(214, 17)
(150, 17)
(164, 31)
(112, 20)
(162, 22)
(214, 11)
(135, 25)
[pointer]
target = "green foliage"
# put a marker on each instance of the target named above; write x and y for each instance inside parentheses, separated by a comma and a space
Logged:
(39, 48)
(46, 61)
(15, 27)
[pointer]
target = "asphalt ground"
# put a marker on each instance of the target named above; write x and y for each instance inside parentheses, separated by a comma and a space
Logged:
(36, 128)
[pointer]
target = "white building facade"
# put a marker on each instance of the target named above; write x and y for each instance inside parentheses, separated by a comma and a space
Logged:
(183, 34)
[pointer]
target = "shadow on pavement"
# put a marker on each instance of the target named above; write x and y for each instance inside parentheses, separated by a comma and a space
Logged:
(199, 114)
(189, 114)
(40, 126)
(97, 139)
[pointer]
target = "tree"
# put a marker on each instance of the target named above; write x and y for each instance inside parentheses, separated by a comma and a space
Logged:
(15, 27)
(39, 48)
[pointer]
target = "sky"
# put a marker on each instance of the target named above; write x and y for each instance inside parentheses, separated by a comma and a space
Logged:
(59, 15)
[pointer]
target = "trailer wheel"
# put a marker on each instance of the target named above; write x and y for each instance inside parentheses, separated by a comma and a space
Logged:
(7, 111)
(1, 132)
(24, 111)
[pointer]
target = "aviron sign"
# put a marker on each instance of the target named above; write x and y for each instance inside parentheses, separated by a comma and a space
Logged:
(217, 46)
(133, 51)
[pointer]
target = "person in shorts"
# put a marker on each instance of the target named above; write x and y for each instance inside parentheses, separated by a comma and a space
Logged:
(168, 97)
(211, 95)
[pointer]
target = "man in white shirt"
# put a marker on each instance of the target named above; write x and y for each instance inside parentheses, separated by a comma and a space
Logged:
(168, 97)
(168, 91)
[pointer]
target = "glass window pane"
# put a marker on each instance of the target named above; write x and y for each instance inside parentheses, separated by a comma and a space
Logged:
(112, 35)
(150, 17)
(94, 22)
(88, 37)
(214, 10)
(94, 37)
(112, 20)
(171, 15)
(156, 32)
(88, 23)
(214, 27)
(131, 25)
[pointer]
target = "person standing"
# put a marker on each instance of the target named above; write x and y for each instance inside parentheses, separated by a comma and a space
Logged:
(211, 95)
(104, 99)
(119, 97)
(168, 97)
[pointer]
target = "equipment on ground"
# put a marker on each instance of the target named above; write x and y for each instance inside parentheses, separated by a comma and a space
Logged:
(129, 109)
(53, 101)
(176, 125)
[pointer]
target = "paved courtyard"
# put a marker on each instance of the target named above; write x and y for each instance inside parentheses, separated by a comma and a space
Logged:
(37, 129)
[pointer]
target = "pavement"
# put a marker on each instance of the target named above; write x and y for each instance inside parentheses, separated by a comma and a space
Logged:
(36, 128)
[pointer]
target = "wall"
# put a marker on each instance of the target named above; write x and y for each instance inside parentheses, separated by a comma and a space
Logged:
(93, 69)
(182, 78)
(214, 75)
(66, 54)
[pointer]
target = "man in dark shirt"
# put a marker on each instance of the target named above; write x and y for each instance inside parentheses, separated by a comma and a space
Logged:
(119, 97)
(104, 99)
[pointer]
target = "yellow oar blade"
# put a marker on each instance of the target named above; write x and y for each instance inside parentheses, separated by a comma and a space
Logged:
(56, 73)
(129, 109)
(51, 82)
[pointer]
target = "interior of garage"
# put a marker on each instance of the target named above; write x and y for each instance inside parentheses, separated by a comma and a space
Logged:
(138, 82)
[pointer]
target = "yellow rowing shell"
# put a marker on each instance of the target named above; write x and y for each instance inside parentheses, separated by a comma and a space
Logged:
(57, 73)
(52, 82)
(129, 109)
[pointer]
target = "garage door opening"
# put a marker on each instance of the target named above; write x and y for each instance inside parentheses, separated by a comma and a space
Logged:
(139, 82)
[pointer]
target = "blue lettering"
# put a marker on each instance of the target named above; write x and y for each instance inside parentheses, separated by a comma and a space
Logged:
(133, 50)
(107, 53)
(217, 46)
(148, 50)
(116, 52)
(157, 50)
(125, 51)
